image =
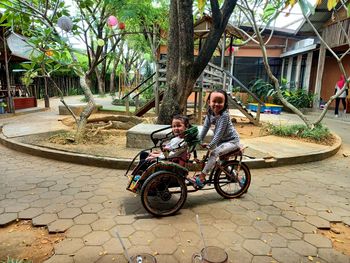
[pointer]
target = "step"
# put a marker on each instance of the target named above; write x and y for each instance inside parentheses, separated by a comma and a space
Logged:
(139, 136)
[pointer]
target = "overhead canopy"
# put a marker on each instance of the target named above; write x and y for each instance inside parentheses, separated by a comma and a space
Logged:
(20, 47)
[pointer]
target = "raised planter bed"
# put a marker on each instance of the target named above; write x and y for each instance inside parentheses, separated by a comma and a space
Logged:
(24, 102)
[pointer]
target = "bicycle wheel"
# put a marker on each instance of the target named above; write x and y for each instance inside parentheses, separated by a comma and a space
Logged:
(163, 193)
(232, 184)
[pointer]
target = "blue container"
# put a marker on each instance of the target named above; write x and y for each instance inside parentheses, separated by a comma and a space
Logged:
(254, 107)
(2, 110)
(269, 108)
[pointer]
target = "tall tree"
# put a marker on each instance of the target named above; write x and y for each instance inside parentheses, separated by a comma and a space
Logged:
(183, 68)
(38, 20)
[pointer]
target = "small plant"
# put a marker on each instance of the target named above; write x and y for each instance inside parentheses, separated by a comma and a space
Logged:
(299, 98)
(14, 260)
(3, 104)
(319, 133)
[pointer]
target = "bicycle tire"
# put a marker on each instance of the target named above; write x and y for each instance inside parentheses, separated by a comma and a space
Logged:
(163, 193)
(238, 188)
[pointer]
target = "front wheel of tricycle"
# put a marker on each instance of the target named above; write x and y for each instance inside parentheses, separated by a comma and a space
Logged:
(163, 193)
(232, 183)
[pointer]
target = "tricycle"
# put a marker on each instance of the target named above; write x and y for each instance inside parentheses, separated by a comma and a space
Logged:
(163, 185)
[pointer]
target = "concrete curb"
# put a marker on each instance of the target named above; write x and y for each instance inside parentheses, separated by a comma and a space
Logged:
(304, 158)
(118, 163)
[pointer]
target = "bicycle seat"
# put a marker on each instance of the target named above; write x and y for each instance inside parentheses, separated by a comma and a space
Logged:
(235, 152)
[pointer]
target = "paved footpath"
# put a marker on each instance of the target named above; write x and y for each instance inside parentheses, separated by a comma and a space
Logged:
(276, 221)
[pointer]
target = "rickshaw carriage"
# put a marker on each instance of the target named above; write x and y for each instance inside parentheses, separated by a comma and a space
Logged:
(163, 185)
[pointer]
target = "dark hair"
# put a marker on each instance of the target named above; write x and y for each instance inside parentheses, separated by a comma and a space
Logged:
(183, 118)
(225, 103)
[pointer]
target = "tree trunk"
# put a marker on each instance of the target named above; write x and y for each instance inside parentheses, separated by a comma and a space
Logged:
(85, 82)
(112, 81)
(182, 69)
(100, 81)
(180, 61)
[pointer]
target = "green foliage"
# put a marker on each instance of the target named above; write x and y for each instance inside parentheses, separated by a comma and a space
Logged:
(261, 88)
(299, 98)
(319, 133)
(74, 91)
(3, 104)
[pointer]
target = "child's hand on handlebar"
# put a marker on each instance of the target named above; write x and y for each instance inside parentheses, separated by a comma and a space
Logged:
(205, 146)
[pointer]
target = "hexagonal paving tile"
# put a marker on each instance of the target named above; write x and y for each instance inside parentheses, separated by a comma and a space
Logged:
(164, 245)
(302, 248)
(264, 226)
(69, 213)
(318, 222)
(88, 254)
(78, 231)
(318, 240)
(16, 208)
(123, 230)
(164, 231)
(145, 224)
(68, 246)
(85, 218)
(304, 227)
(274, 240)
(248, 232)
(92, 208)
(44, 219)
(331, 255)
(60, 225)
(225, 225)
(97, 238)
(257, 247)
(285, 255)
(103, 224)
(189, 238)
(279, 221)
(7, 218)
(289, 233)
(143, 238)
(77, 203)
(30, 213)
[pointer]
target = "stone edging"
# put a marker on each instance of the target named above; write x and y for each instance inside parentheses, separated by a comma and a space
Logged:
(119, 163)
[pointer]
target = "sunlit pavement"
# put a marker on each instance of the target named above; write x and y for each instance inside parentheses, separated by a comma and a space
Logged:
(276, 221)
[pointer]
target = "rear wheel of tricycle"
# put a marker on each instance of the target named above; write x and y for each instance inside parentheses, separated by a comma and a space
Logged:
(163, 193)
(232, 184)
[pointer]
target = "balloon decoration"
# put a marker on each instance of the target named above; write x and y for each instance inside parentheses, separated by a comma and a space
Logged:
(121, 26)
(100, 42)
(112, 21)
(65, 23)
(231, 49)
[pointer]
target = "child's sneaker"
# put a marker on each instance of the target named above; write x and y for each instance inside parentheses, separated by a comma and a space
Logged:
(241, 180)
(197, 182)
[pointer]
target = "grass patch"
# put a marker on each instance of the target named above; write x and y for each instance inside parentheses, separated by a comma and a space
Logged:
(319, 134)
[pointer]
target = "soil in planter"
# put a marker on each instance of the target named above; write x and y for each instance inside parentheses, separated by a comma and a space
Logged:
(21, 240)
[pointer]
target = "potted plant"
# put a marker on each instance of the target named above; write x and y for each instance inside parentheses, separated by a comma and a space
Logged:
(3, 105)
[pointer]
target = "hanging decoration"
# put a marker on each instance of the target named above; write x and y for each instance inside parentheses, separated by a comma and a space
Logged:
(112, 21)
(65, 23)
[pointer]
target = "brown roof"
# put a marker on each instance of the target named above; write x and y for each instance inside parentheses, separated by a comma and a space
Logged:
(203, 25)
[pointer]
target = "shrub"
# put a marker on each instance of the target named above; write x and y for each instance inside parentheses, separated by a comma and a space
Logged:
(319, 133)
(299, 98)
